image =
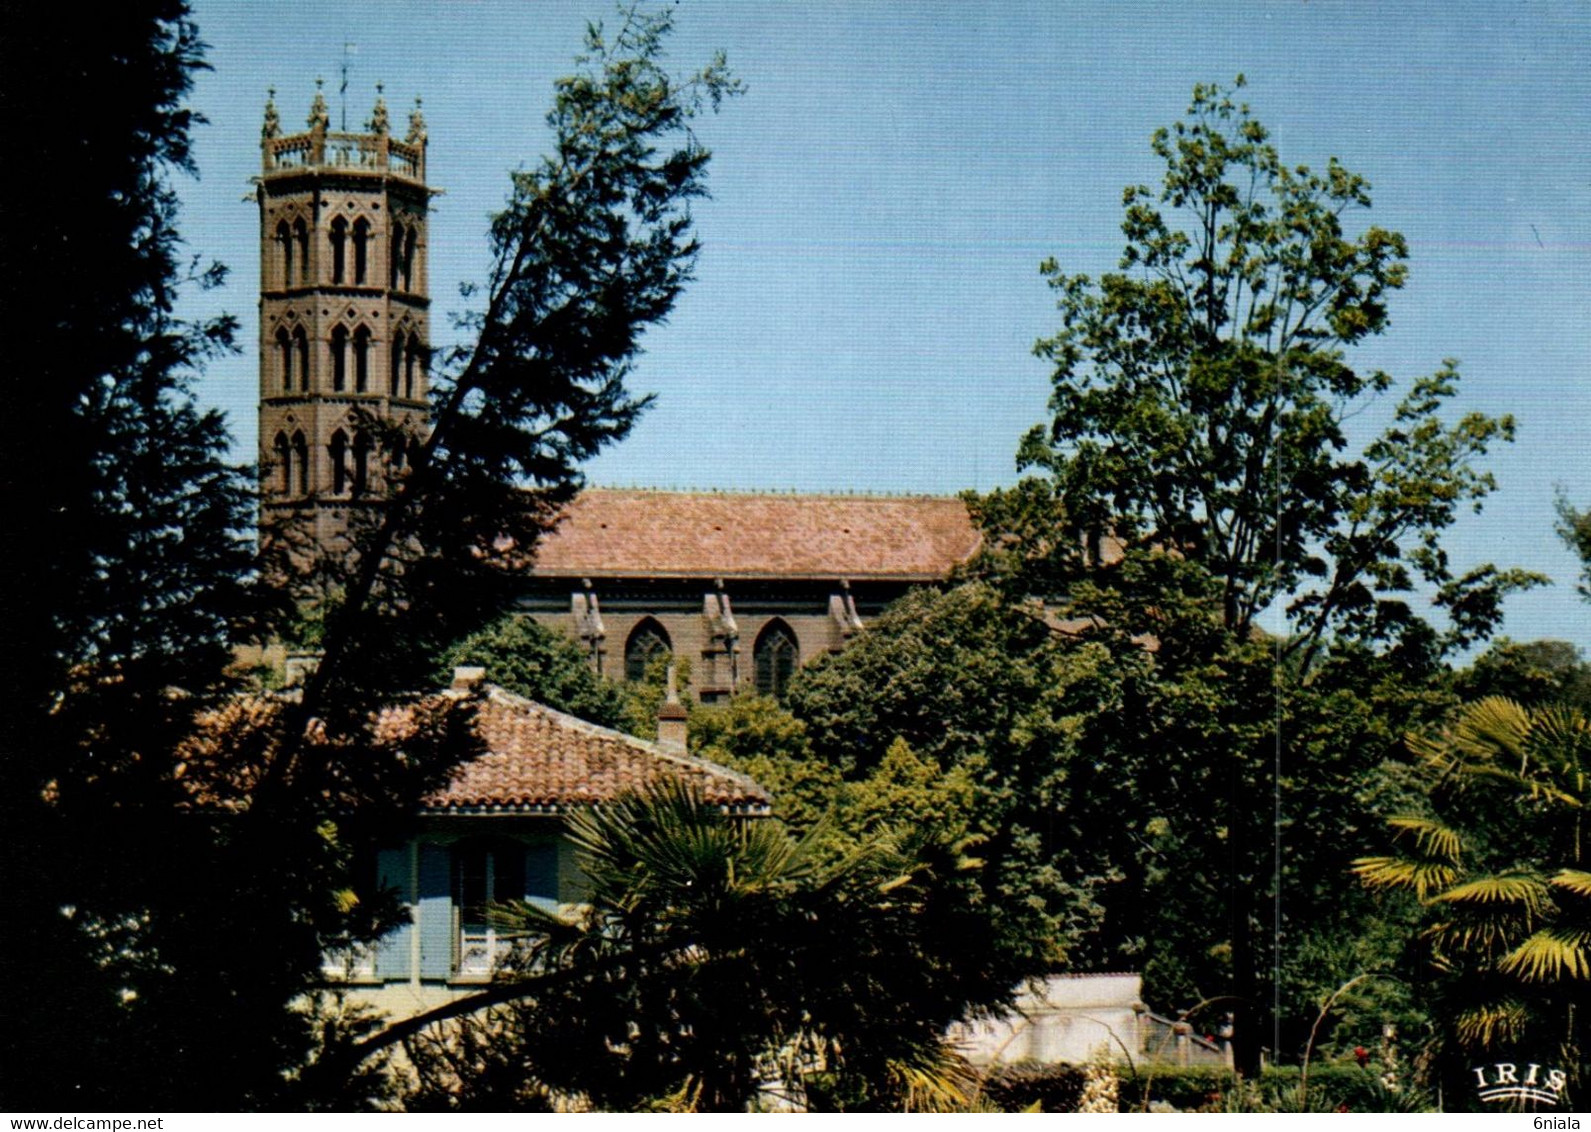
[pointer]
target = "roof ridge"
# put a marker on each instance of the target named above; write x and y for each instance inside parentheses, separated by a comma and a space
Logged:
(767, 493)
(644, 746)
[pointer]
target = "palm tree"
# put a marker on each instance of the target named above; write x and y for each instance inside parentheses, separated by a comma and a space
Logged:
(1505, 889)
(714, 959)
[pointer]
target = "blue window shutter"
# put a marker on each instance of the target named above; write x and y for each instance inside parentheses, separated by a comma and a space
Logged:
(541, 875)
(392, 950)
(434, 913)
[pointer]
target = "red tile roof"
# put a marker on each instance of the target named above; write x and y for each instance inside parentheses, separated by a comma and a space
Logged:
(630, 533)
(535, 759)
(538, 759)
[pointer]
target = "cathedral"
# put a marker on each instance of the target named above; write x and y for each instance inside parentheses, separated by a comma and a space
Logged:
(747, 586)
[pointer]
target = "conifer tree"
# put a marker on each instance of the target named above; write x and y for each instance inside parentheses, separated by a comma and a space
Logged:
(178, 859)
(128, 565)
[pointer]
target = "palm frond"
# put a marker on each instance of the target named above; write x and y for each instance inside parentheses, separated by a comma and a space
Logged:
(1429, 863)
(1560, 745)
(1431, 838)
(1492, 1024)
(1573, 880)
(933, 1078)
(1422, 877)
(1484, 937)
(1490, 730)
(1550, 955)
(1517, 891)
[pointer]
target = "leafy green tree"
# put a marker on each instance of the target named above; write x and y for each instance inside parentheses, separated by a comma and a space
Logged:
(541, 664)
(1198, 471)
(1200, 396)
(1506, 939)
(758, 736)
(128, 571)
(1528, 672)
(969, 683)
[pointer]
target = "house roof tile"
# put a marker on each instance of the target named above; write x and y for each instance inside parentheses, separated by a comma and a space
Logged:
(613, 532)
(539, 759)
(533, 759)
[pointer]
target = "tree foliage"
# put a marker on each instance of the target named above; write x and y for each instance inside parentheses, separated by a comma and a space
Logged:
(966, 681)
(541, 664)
(1575, 529)
(1531, 673)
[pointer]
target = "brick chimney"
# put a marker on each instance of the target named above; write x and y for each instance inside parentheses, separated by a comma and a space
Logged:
(671, 719)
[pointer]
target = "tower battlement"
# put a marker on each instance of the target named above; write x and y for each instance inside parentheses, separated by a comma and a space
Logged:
(353, 153)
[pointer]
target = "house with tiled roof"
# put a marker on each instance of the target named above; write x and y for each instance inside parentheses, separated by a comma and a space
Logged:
(747, 586)
(494, 832)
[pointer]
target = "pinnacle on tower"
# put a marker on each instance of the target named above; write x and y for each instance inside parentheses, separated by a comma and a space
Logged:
(416, 124)
(379, 123)
(319, 117)
(273, 120)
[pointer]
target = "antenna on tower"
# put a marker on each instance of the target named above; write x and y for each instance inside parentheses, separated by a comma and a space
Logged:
(349, 51)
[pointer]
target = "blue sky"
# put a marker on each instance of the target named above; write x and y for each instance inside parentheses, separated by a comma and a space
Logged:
(868, 294)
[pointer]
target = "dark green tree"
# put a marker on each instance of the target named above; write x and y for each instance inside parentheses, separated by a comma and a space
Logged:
(977, 692)
(128, 571)
(179, 860)
(594, 246)
(1530, 673)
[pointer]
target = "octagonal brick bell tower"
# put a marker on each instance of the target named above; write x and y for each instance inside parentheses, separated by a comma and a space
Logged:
(344, 319)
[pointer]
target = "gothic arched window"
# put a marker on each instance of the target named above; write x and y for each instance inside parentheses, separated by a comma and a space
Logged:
(301, 348)
(339, 241)
(394, 255)
(338, 450)
(411, 362)
(339, 358)
(361, 479)
(301, 238)
(284, 238)
(395, 356)
(361, 248)
(647, 640)
(284, 348)
(301, 458)
(362, 360)
(284, 462)
(776, 655)
(408, 259)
